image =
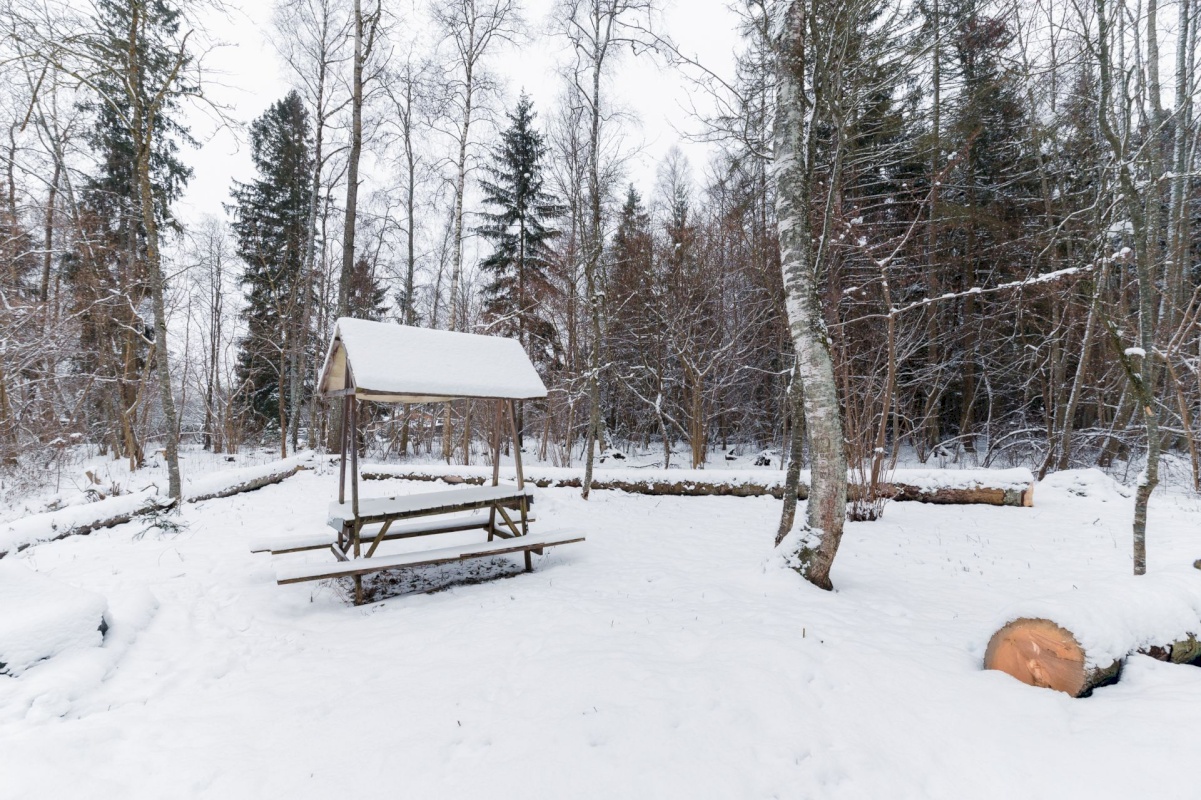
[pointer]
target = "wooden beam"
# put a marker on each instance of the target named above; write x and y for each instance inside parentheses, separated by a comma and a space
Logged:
(342, 451)
(354, 457)
(509, 521)
(379, 538)
(516, 449)
(496, 439)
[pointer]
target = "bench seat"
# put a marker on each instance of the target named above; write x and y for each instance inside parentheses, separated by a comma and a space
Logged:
(380, 509)
(423, 558)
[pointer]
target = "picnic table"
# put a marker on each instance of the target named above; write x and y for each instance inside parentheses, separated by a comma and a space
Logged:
(388, 363)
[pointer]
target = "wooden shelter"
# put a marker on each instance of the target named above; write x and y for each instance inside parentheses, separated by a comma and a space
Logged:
(387, 363)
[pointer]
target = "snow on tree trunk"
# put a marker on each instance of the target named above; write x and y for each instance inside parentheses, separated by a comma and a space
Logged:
(812, 549)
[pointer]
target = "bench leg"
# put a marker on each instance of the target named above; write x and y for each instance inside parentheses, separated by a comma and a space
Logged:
(358, 590)
(529, 562)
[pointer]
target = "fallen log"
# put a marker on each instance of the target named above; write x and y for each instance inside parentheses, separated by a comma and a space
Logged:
(947, 487)
(79, 520)
(230, 482)
(86, 518)
(1081, 639)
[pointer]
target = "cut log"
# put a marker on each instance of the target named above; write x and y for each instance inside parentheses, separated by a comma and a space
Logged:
(1040, 653)
(1078, 640)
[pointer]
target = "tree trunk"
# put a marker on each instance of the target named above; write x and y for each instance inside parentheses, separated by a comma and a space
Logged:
(143, 132)
(796, 451)
(793, 158)
(1143, 213)
(593, 256)
(352, 194)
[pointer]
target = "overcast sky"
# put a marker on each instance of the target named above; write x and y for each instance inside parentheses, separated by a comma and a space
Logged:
(252, 77)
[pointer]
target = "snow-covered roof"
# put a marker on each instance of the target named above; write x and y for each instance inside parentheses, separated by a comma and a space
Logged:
(392, 363)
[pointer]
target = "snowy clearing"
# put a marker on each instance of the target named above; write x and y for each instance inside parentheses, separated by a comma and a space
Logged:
(667, 656)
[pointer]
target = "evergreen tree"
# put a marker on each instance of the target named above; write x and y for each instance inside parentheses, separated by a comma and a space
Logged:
(367, 299)
(518, 268)
(632, 254)
(270, 222)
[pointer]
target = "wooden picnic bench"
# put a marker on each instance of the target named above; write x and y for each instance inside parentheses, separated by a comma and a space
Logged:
(382, 362)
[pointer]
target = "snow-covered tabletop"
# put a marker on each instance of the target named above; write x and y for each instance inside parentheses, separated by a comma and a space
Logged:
(410, 505)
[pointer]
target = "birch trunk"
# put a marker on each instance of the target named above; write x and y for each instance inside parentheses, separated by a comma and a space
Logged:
(792, 167)
(796, 451)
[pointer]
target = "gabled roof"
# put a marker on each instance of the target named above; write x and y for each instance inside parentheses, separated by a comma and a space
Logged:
(390, 363)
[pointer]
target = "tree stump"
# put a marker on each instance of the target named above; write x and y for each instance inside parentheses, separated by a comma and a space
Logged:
(1040, 653)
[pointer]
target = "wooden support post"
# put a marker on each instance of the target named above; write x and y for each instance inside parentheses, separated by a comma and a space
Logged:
(354, 493)
(342, 451)
(496, 440)
(525, 528)
(516, 449)
(354, 456)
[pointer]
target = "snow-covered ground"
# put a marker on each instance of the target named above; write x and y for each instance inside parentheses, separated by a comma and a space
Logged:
(668, 656)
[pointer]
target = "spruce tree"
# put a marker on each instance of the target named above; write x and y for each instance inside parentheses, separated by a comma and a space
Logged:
(270, 222)
(366, 298)
(518, 270)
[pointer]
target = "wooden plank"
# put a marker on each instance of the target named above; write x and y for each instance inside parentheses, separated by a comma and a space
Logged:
(425, 558)
(319, 541)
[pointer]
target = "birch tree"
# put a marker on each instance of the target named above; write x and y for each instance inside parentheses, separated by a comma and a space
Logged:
(596, 28)
(804, 51)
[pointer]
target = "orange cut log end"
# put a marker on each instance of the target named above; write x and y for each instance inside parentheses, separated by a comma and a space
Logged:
(1039, 653)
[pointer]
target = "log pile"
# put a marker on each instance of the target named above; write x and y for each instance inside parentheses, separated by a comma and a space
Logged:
(1159, 617)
